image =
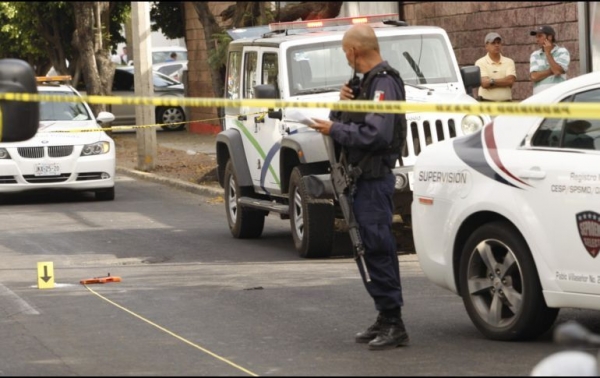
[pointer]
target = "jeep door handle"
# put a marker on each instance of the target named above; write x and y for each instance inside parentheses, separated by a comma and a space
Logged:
(533, 173)
(242, 118)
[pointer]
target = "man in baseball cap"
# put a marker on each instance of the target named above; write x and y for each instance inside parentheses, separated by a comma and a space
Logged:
(548, 30)
(491, 37)
(498, 72)
(547, 66)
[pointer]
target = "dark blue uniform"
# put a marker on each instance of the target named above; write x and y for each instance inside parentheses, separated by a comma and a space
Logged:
(372, 202)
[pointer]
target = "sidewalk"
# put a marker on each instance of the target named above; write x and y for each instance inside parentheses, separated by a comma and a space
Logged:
(179, 140)
(191, 143)
(187, 141)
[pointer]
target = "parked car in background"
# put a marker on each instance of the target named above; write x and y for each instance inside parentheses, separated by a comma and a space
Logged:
(509, 217)
(57, 157)
(174, 117)
(163, 54)
(174, 69)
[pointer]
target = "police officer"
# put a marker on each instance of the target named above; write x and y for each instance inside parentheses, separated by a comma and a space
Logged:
(372, 141)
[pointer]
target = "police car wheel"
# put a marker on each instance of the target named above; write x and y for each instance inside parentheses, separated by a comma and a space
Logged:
(500, 286)
(243, 223)
(311, 220)
(170, 115)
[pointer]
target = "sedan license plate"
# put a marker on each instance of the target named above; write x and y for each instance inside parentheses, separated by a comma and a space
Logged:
(47, 169)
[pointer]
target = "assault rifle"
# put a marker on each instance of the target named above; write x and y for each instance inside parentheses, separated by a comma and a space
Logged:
(343, 178)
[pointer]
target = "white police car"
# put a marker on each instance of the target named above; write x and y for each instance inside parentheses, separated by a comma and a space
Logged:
(509, 217)
(59, 156)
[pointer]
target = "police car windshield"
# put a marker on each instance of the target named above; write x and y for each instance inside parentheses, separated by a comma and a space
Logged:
(320, 66)
(63, 111)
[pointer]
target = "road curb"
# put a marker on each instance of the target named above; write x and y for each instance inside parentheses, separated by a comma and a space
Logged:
(180, 184)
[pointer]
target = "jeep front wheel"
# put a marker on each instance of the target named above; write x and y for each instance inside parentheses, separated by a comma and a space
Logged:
(243, 223)
(311, 220)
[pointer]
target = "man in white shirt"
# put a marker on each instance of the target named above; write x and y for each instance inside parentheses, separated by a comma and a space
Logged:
(498, 72)
(124, 56)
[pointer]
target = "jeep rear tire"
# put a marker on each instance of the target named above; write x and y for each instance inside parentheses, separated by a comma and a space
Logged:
(243, 223)
(311, 220)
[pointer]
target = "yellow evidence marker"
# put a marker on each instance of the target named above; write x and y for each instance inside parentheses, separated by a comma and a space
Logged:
(45, 273)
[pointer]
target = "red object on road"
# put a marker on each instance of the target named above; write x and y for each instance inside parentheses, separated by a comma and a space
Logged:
(100, 280)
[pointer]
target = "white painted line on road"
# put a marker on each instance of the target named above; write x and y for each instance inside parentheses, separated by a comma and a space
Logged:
(12, 304)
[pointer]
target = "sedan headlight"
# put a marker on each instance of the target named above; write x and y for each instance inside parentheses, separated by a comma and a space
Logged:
(98, 148)
(4, 154)
(471, 123)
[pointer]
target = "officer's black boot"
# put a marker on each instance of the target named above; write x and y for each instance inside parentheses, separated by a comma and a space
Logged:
(371, 332)
(392, 333)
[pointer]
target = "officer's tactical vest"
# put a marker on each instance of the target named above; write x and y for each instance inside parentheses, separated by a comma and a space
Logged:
(373, 165)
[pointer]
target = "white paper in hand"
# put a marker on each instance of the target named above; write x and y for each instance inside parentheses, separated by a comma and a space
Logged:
(298, 116)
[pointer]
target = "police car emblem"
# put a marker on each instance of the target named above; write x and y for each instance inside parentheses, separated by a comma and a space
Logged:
(588, 226)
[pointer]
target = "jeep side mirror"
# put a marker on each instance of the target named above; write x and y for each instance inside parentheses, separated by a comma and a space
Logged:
(471, 77)
(19, 120)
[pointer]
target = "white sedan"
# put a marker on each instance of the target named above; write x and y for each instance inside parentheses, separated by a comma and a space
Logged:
(509, 217)
(61, 155)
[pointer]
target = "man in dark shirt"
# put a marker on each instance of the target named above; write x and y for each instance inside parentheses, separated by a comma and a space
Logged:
(370, 141)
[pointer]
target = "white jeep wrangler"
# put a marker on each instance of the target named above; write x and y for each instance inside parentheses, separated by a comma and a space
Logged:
(263, 154)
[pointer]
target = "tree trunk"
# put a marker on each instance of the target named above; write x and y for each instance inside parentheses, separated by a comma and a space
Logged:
(55, 52)
(309, 10)
(246, 13)
(96, 66)
(211, 27)
(106, 67)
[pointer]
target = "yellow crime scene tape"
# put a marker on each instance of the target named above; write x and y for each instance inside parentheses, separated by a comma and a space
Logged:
(562, 110)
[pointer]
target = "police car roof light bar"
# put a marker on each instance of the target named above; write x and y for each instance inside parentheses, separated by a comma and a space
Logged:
(343, 21)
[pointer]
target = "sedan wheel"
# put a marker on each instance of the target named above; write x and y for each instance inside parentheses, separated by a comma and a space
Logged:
(500, 285)
(174, 116)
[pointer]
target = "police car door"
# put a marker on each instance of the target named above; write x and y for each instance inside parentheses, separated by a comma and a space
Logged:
(261, 134)
(563, 168)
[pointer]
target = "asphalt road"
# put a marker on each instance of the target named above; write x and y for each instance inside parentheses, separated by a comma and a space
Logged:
(194, 301)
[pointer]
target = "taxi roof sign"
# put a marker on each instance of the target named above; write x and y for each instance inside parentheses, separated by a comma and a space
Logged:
(53, 79)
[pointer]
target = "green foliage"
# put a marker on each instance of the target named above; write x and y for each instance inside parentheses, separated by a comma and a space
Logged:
(19, 34)
(250, 16)
(120, 12)
(32, 30)
(168, 17)
(218, 57)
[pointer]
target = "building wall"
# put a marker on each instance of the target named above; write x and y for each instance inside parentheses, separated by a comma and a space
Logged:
(468, 22)
(199, 84)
